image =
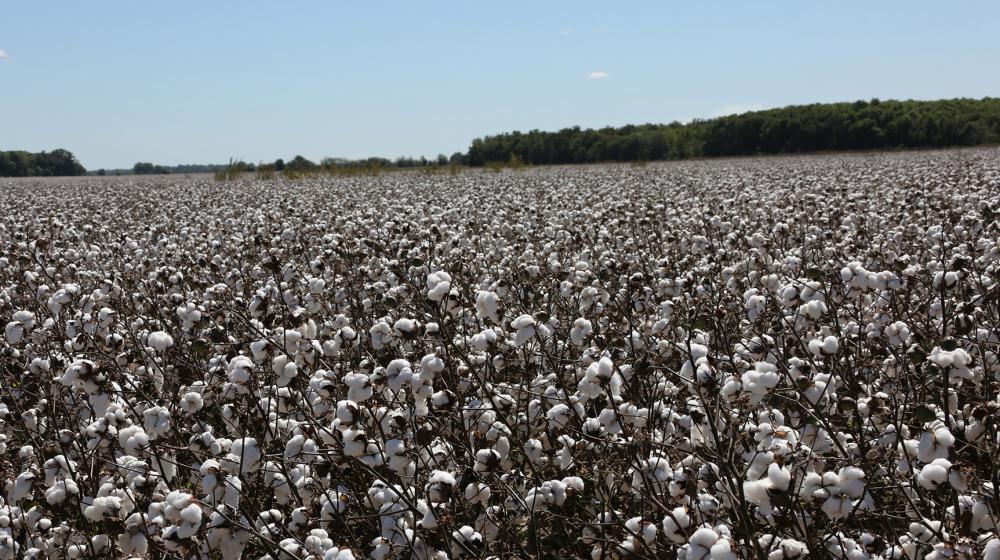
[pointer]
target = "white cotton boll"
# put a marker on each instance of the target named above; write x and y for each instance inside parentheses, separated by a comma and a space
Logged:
(405, 327)
(852, 481)
(438, 285)
(830, 345)
(788, 549)
(533, 450)
(974, 430)
(755, 305)
(160, 340)
(24, 317)
(103, 507)
(556, 492)
(355, 442)
(239, 370)
(245, 453)
(191, 514)
(837, 507)
(440, 486)
(477, 493)
(293, 447)
(59, 491)
(487, 304)
(175, 502)
(466, 541)
(935, 443)
(525, 327)
(780, 478)
(814, 309)
(760, 380)
(133, 545)
(156, 421)
(191, 402)
(898, 334)
(756, 492)
(359, 387)
(13, 332)
(21, 488)
(399, 374)
(574, 485)
(581, 331)
(675, 523)
(704, 537)
(559, 415)
(992, 549)
(486, 460)
(723, 550)
(133, 440)
(316, 285)
(336, 553)
(934, 475)
(605, 368)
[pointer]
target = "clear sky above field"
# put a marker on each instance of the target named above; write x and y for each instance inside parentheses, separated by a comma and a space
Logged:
(117, 82)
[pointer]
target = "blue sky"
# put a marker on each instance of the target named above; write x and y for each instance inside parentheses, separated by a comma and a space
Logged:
(117, 82)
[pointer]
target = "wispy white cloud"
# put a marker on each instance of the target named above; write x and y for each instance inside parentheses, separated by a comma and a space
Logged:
(736, 109)
(3, 54)
(565, 32)
(599, 75)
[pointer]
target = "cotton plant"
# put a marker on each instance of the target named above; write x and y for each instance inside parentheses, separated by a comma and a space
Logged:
(571, 362)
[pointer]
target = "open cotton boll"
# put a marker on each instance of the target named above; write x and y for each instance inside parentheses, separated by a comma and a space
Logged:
(316, 285)
(760, 380)
(355, 442)
(783, 548)
(159, 340)
(898, 334)
(830, 345)
(487, 306)
(244, 454)
(336, 553)
(25, 318)
(581, 331)
(156, 421)
(58, 492)
(399, 373)
(438, 285)
(701, 545)
(191, 402)
(440, 486)
(838, 506)
(935, 442)
(405, 327)
(992, 549)
(675, 523)
(359, 387)
(133, 440)
(525, 327)
(935, 474)
(466, 541)
(13, 332)
(477, 493)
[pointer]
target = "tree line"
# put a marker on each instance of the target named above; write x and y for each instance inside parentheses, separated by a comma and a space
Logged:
(42, 164)
(861, 125)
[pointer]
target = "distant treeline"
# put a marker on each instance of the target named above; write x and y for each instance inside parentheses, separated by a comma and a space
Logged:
(41, 164)
(146, 168)
(861, 125)
(297, 164)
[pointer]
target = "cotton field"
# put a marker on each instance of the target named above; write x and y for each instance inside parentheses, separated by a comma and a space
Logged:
(778, 358)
